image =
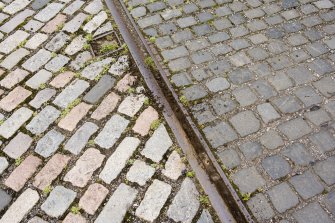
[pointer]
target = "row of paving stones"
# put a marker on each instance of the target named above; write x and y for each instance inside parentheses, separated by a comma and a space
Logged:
(258, 77)
(80, 139)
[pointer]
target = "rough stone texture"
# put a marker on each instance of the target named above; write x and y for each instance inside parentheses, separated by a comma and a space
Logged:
(131, 105)
(18, 145)
(70, 121)
(144, 121)
(260, 208)
(324, 170)
(5, 199)
(185, 204)
(80, 174)
(58, 201)
(153, 201)
(174, 166)
(118, 204)
(307, 185)
(99, 90)
(312, 213)
(35, 62)
(157, 145)
(42, 120)
(51, 171)
(50, 142)
(92, 198)
(74, 218)
(205, 217)
(283, 197)
(42, 97)
(112, 131)
(3, 165)
(23, 204)
(22, 173)
(117, 161)
(140, 172)
(14, 98)
(106, 106)
(13, 78)
(248, 180)
(41, 77)
(245, 123)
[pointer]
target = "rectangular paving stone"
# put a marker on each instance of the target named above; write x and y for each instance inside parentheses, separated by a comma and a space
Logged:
(16, 6)
(38, 60)
(73, 7)
(62, 79)
(43, 120)
(74, 25)
(3, 166)
(94, 69)
(21, 207)
(50, 142)
(70, 121)
(57, 63)
(106, 106)
(38, 4)
(14, 22)
(22, 173)
(140, 172)
(5, 199)
(153, 201)
(325, 170)
(13, 41)
(49, 12)
(14, 78)
(283, 197)
(84, 168)
(14, 98)
(95, 22)
(93, 198)
(71, 217)
(78, 141)
(41, 77)
(149, 21)
(100, 89)
(118, 160)
(57, 42)
(18, 145)
(76, 45)
(118, 205)
(15, 121)
(14, 58)
(54, 24)
(144, 121)
(51, 171)
(131, 105)
(94, 7)
(42, 97)
(157, 145)
(33, 26)
(248, 180)
(294, 129)
(58, 201)
(111, 131)
(70, 93)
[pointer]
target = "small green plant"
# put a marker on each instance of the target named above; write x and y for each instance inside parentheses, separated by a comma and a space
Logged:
(190, 174)
(204, 200)
(60, 27)
(246, 197)
(131, 90)
(152, 39)
(108, 47)
(23, 43)
(149, 62)
(53, 54)
(69, 107)
(75, 209)
(91, 142)
(89, 38)
(155, 124)
(146, 101)
(18, 161)
(125, 50)
(184, 100)
(42, 86)
(62, 70)
(130, 161)
(86, 46)
(47, 190)
(2, 121)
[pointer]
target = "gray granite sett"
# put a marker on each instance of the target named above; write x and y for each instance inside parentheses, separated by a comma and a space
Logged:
(181, 79)
(240, 76)
(3, 166)
(205, 217)
(318, 117)
(18, 19)
(251, 150)
(153, 201)
(181, 36)
(95, 68)
(5, 199)
(271, 140)
(75, 46)
(307, 185)
(280, 81)
(37, 219)
(325, 170)
(41, 77)
(15, 6)
(80, 138)
(142, 11)
(73, 7)
(179, 64)
(38, 4)
(321, 66)
(283, 197)
(94, 7)
(329, 201)
(244, 96)
(194, 92)
(201, 57)
(35, 62)
(229, 158)
(140, 172)
(287, 104)
(118, 205)
(186, 22)
(267, 112)
(298, 154)
(276, 166)
(222, 105)
(323, 140)
(73, 25)
(295, 128)
(157, 145)
(248, 180)
(43, 120)
(57, 63)
(95, 22)
(49, 144)
(260, 207)
(33, 26)
(58, 201)
(15, 121)
(48, 12)
(18, 146)
(308, 96)
(312, 213)
(13, 41)
(219, 134)
(35, 41)
(149, 21)
(326, 86)
(99, 90)
(175, 53)
(80, 60)
(42, 97)
(14, 58)
(185, 204)
(245, 123)
(70, 93)
(57, 42)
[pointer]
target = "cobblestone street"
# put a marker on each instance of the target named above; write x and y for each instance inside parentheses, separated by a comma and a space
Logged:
(258, 78)
(82, 139)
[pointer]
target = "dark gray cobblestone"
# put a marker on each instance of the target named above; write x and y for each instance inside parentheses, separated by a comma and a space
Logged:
(259, 80)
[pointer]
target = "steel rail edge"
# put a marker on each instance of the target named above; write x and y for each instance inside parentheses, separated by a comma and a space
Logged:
(221, 193)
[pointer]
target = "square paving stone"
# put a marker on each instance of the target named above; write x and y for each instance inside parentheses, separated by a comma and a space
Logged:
(267, 112)
(307, 185)
(308, 96)
(325, 170)
(312, 213)
(323, 140)
(295, 128)
(276, 166)
(287, 104)
(260, 208)
(245, 123)
(251, 150)
(298, 154)
(329, 201)
(244, 96)
(271, 140)
(248, 180)
(318, 117)
(229, 158)
(283, 197)
(219, 134)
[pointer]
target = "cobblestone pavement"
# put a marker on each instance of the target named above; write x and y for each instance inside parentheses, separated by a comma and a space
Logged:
(81, 140)
(258, 77)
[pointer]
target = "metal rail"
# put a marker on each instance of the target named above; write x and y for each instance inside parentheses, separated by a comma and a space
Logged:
(222, 195)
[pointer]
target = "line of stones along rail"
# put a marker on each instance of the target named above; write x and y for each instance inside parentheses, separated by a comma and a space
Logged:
(258, 78)
(81, 141)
